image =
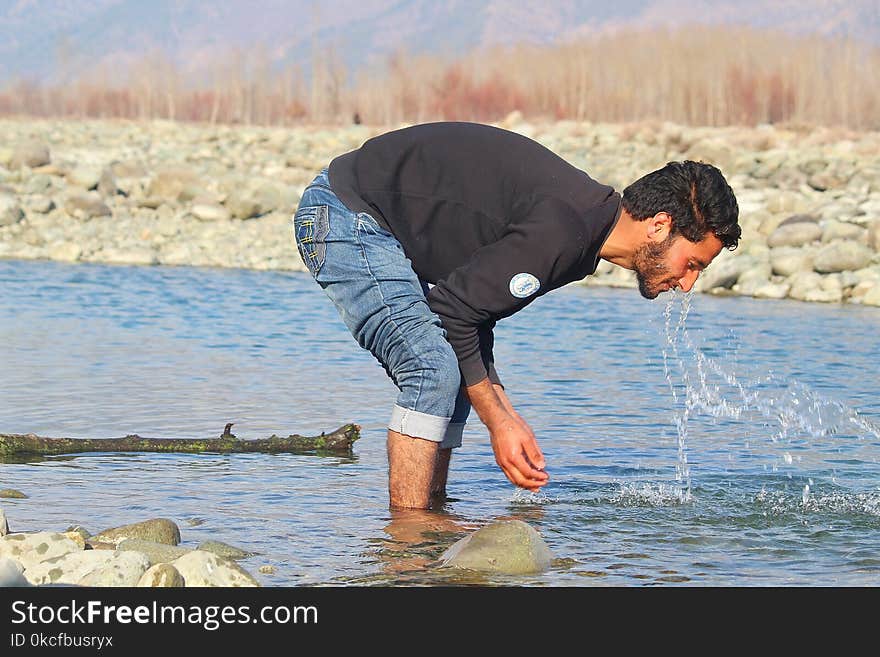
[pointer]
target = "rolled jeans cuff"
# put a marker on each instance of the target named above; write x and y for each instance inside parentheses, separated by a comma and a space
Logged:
(452, 439)
(417, 424)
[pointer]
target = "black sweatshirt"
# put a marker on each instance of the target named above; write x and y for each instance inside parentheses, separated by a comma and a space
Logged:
(491, 218)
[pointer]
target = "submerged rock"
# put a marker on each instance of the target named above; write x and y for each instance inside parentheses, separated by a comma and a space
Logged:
(156, 552)
(201, 568)
(224, 550)
(158, 530)
(12, 494)
(511, 547)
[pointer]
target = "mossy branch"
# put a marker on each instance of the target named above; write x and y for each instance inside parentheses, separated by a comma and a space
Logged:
(336, 442)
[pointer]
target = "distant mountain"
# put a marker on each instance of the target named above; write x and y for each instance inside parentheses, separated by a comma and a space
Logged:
(45, 39)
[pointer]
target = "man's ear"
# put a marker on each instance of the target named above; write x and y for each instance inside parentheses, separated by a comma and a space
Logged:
(659, 226)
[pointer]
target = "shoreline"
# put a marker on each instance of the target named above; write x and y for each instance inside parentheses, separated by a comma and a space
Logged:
(161, 193)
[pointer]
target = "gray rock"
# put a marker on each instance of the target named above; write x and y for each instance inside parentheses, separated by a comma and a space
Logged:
(842, 256)
(11, 573)
(10, 211)
(158, 530)
(200, 568)
(65, 252)
(874, 235)
(31, 154)
(785, 261)
(128, 256)
(12, 494)
(170, 182)
(31, 549)
(799, 219)
(38, 184)
(725, 271)
(210, 212)
(86, 205)
(753, 279)
(155, 552)
(107, 185)
(41, 204)
(245, 202)
(833, 230)
(4, 526)
(128, 169)
(162, 575)
(511, 547)
(224, 550)
(796, 234)
(84, 176)
(90, 568)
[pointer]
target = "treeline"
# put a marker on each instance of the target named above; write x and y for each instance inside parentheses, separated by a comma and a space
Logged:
(695, 76)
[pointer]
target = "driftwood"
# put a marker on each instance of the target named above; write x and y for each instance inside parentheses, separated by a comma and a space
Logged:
(336, 442)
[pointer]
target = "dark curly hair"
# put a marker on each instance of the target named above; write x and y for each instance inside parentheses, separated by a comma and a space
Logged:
(695, 195)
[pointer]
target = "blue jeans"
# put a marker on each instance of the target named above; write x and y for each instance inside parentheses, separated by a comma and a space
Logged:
(363, 269)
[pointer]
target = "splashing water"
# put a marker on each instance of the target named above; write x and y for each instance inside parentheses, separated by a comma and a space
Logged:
(784, 413)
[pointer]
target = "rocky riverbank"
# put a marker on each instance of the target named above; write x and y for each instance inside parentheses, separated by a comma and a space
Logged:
(182, 194)
(145, 554)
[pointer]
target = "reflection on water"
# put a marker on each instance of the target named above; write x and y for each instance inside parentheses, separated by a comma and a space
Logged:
(695, 440)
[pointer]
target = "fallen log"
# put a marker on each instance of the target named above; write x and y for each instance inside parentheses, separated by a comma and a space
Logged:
(336, 442)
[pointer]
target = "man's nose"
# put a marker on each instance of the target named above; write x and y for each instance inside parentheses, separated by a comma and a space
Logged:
(687, 281)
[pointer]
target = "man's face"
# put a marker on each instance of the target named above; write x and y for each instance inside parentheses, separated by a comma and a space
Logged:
(674, 262)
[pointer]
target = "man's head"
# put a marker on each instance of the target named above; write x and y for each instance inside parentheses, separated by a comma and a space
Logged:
(690, 214)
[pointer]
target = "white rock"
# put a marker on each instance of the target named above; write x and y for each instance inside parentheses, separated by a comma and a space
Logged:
(833, 229)
(4, 526)
(133, 256)
(206, 569)
(65, 252)
(785, 260)
(842, 256)
(84, 176)
(90, 568)
(796, 234)
(210, 212)
(772, 291)
(872, 296)
(31, 549)
(11, 573)
(124, 569)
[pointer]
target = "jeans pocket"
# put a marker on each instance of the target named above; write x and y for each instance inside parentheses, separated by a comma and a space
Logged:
(311, 226)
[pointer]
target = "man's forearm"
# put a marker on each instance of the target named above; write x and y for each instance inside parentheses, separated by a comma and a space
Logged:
(488, 404)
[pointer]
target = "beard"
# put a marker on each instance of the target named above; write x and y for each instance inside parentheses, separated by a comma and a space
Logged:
(651, 272)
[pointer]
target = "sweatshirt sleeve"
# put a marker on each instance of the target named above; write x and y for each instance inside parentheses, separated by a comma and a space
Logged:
(537, 253)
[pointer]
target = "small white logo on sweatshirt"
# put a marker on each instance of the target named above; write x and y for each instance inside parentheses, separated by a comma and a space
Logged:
(524, 285)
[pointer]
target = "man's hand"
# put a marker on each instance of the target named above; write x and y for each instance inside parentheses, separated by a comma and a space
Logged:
(518, 454)
(516, 449)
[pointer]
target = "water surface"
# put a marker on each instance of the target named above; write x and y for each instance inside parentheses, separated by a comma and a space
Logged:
(705, 441)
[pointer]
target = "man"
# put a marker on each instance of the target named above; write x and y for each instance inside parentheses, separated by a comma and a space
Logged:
(493, 220)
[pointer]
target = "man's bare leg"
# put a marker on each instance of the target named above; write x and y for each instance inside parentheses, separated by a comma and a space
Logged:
(441, 474)
(411, 465)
